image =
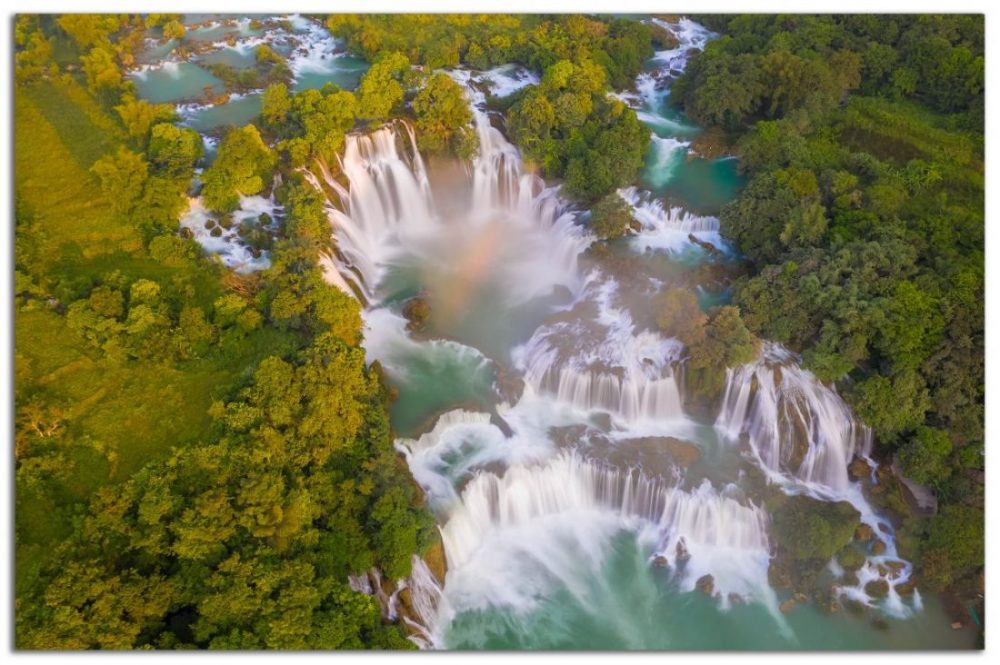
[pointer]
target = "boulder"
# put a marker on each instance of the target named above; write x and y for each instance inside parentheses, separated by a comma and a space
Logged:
(705, 584)
(681, 550)
(787, 606)
(436, 562)
(660, 561)
(416, 310)
(878, 547)
(859, 470)
(850, 558)
(863, 533)
(877, 588)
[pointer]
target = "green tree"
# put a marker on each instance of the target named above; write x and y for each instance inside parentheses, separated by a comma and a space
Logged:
(243, 167)
(276, 104)
(123, 177)
(173, 151)
(443, 118)
(380, 89)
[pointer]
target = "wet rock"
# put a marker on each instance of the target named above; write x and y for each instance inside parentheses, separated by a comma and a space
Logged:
(509, 385)
(660, 561)
(436, 562)
(787, 606)
(859, 470)
(801, 598)
(855, 606)
(707, 246)
(877, 588)
(878, 548)
(712, 143)
(416, 310)
(850, 558)
(863, 533)
(883, 528)
(906, 588)
(778, 576)
(663, 39)
(683, 452)
(705, 584)
(736, 600)
(681, 551)
(880, 624)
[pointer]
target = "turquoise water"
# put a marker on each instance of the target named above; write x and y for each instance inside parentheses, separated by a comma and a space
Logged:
(175, 82)
(240, 59)
(343, 71)
(629, 604)
(234, 113)
(702, 185)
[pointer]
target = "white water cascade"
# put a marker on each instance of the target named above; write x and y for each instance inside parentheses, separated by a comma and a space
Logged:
(606, 365)
(794, 424)
(667, 229)
(803, 436)
(512, 538)
(513, 230)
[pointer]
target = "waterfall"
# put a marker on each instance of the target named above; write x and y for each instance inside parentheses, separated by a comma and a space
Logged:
(667, 229)
(513, 229)
(512, 537)
(804, 436)
(794, 423)
(607, 366)
(388, 194)
(425, 597)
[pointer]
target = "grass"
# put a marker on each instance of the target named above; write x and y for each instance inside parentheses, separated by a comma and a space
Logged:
(55, 144)
(119, 415)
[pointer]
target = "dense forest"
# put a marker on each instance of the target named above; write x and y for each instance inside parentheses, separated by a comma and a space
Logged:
(863, 220)
(203, 457)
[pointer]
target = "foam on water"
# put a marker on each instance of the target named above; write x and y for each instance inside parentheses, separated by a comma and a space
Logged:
(228, 245)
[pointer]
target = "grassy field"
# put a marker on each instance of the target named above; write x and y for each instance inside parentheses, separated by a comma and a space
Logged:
(118, 415)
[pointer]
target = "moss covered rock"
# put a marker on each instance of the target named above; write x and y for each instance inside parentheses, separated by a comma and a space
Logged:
(850, 558)
(805, 528)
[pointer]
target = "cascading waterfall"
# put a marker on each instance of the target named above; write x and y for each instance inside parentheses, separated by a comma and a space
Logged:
(667, 229)
(387, 212)
(512, 537)
(388, 194)
(794, 423)
(804, 436)
(605, 365)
